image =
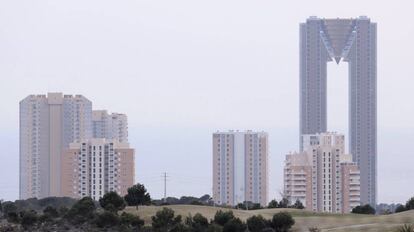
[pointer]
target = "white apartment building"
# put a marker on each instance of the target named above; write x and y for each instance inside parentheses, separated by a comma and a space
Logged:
(110, 126)
(240, 167)
(97, 166)
(322, 177)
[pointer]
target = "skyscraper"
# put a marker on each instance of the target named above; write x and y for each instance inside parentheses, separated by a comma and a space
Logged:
(48, 124)
(110, 126)
(323, 177)
(240, 169)
(353, 41)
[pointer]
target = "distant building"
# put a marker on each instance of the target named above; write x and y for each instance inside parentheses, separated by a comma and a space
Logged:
(110, 126)
(354, 41)
(240, 167)
(97, 166)
(322, 177)
(48, 124)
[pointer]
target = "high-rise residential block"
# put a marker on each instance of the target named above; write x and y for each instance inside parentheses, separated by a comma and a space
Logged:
(353, 41)
(110, 126)
(48, 124)
(97, 166)
(240, 167)
(322, 177)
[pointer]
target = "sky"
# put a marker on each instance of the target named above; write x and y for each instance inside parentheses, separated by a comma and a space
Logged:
(184, 69)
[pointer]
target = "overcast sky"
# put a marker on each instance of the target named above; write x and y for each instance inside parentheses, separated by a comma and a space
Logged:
(181, 70)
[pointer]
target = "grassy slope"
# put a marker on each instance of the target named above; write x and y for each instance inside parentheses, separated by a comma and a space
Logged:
(304, 219)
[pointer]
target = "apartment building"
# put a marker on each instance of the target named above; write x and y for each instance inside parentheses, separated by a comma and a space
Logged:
(110, 126)
(240, 167)
(97, 166)
(322, 177)
(48, 124)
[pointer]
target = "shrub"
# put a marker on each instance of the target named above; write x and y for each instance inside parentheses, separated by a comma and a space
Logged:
(82, 210)
(234, 225)
(273, 204)
(406, 228)
(256, 223)
(400, 208)
(314, 229)
(51, 212)
(28, 218)
(197, 223)
(131, 220)
(107, 219)
(164, 220)
(222, 218)
(365, 209)
(282, 222)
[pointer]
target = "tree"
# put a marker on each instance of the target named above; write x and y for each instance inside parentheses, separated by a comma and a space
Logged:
(137, 195)
(9, 207)
(222, 218)
(284, 203)
(256, 223)
(197, 223)
(282, 222)
(273, 204)
(410, 204)
(234, 225)
(298, 205)
(82, 210)
(400, 208)
(364, 209)
(164, 220)
(111, 201)
(131, 220)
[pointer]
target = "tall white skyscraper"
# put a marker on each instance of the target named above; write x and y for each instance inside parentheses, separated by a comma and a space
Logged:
(240, 167)
(48, 124)
(110, 126)
(353, 41)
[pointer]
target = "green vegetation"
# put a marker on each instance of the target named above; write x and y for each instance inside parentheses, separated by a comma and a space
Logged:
(364, 209)
(137, 195)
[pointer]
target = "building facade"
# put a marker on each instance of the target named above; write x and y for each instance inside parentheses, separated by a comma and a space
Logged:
(97, 166)
(48, 124)
(110, 126)
(322, 177)
(240, 167)
(353, 41)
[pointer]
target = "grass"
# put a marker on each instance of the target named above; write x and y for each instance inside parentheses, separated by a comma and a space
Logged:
(304, 219)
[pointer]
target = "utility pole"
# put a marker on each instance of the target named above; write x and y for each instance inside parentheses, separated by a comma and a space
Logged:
(165, 187)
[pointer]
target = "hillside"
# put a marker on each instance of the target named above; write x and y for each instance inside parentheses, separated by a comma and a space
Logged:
(304, 219)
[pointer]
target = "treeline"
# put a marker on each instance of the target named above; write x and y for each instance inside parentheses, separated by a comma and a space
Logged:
(88, 215)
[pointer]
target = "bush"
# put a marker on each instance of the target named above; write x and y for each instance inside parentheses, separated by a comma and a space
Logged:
(298, 205)
(9, 207)
(273, 204)
(410, 204)
(314, 229)
(13, 217)
(256, 223)
(51, 212)
(400, 208)
(234, 225)
(365, 209)
(28, 218)
(164, 220)
(284, 203)
(282, 222)
(221, 218)
(197, 223)
(406, 228)
(82, 210)
(111, 201)
(131, 220)
(107, 219)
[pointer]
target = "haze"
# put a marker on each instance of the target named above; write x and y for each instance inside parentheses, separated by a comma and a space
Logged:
(181, 70)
